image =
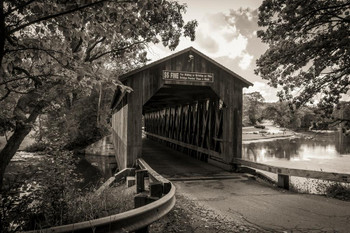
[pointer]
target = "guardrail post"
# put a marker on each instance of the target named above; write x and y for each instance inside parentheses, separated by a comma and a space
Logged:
(166, 187)
(283, 181)
(156, 189)
(130, 181)
(141, 200)
(140, 180)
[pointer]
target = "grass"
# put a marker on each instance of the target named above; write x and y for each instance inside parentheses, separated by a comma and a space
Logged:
(88, 206)
(112, 201)
(338, 191)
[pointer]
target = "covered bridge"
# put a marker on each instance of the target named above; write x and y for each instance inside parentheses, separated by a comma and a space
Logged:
(187, 101)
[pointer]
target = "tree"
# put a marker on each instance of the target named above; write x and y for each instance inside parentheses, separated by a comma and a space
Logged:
(308, 49)
(252, 112)
(50, 50)
(282, 115)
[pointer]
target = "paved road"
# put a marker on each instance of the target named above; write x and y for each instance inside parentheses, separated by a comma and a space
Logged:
(245, 200)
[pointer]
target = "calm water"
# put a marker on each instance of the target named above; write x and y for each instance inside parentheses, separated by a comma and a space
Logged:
(326, 152)
(320, 152)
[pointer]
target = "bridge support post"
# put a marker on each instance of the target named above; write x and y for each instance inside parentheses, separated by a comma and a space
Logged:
(283, 181)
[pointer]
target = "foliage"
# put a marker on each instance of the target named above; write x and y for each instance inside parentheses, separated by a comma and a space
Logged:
(306, 117)
(342, 115)
(36, 147)
(41, 196)
(113, 200)
(79, 122)
(339, 191)
(309, 49)
(252, 108)
(52, 50)
(49, 197)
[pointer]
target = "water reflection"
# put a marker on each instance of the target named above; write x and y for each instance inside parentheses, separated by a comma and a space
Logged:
(317, 147)
(106, 164)
(342, 143)
(320, 152)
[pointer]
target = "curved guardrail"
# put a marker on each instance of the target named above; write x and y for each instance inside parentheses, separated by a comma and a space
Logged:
(127, 221)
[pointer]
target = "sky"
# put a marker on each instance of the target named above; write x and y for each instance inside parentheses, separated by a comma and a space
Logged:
(226, 32)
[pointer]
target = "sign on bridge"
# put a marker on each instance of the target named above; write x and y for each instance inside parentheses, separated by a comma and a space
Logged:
(187, 76)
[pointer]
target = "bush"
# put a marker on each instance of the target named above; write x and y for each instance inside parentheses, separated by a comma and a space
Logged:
(36, 147)
(338, 191)
(49, 197)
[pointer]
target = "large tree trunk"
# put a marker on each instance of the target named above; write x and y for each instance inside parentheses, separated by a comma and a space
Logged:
(2, 30)
(21, 131)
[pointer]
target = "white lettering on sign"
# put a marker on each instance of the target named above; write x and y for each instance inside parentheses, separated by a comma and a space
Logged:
(188, 76)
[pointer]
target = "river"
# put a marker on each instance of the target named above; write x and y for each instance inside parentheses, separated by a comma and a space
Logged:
(328, 152)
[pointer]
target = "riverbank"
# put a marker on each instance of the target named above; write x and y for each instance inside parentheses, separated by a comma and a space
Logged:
(270, 132)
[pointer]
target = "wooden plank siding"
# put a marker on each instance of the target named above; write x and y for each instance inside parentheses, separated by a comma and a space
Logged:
(187, 112)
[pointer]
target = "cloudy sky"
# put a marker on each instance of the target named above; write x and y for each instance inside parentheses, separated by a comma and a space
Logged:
(226, 33)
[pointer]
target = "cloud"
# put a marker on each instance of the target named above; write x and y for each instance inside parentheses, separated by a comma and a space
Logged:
(208, 42)
(245, 61)
(228, 34)
(245, 20)
(269, 93)
(228, 37)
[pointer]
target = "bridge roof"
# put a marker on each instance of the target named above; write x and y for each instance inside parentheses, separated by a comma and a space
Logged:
(130, 73)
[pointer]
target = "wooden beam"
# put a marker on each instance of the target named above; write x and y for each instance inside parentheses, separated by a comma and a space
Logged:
(331, 176)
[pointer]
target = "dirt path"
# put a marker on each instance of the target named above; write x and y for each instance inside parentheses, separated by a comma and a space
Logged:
(190, 216)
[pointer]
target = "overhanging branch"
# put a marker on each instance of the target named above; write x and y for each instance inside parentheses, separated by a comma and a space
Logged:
(60, 14)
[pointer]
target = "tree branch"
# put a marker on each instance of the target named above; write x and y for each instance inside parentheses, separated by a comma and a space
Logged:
(6, 95)
(32, 48)
(60, 14)
(97, 56)
(12, 80)
(89, 50)
(36, 80)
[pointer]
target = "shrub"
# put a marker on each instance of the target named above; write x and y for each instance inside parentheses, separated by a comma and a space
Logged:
(36, 147)
(48, 197)
(339, 191)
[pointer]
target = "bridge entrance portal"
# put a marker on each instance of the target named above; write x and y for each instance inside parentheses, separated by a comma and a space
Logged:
(187, 101)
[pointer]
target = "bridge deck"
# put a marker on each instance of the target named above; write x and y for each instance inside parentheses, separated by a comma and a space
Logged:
(173, 164)
(246, 201)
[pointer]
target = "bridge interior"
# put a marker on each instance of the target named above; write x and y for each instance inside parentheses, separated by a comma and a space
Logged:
(189, 115)
(175, 164)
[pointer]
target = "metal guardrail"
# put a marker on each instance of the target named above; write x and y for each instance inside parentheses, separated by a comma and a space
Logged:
(127, 221)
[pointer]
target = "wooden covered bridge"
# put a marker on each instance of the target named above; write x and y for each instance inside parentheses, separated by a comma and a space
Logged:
(187, 101)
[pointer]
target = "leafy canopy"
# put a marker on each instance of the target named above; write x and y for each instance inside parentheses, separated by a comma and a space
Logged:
(52, 50)
(79, 41)
(49, 49)
(309, 50)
